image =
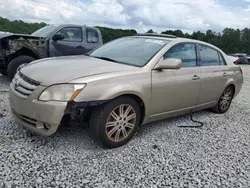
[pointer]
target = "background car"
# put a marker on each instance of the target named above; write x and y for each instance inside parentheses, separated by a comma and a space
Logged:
(49, 41)
(123, 84)
(243, 58)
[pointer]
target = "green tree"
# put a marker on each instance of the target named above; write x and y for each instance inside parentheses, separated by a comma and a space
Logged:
(150, 31)
(231, 40)
(177, 33)
(109, 34)
(18, 26)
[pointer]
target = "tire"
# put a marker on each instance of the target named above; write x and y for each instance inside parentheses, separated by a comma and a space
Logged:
(3, 72)
(226, 98)
(15, 63)
(102, 114)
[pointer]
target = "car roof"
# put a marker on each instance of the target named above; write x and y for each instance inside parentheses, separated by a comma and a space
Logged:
(174, 38)
(71, 25)
(239, 54)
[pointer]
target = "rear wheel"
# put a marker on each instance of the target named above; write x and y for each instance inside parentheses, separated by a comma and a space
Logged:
(16, 63)
(225, 100)
(115, 123)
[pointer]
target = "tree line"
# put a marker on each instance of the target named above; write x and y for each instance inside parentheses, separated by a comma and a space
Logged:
(229, 40)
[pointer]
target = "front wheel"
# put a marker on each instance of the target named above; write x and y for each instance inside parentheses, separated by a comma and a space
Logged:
(115, 123)
(225, 100)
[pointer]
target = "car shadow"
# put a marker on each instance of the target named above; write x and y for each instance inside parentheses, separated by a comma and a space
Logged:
(4, 81)
(81, 139)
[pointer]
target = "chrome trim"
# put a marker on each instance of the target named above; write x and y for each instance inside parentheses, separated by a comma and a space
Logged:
(22, 85)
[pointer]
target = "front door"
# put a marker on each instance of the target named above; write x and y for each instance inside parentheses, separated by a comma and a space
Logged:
(70, 45)
(176, 90)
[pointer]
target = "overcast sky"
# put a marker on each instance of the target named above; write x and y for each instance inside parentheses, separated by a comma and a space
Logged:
(187, 15)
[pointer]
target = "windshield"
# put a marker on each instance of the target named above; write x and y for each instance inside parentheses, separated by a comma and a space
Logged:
(130, 50)
(44, 31)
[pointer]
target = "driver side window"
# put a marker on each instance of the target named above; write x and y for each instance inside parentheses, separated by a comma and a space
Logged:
(185, 52)
(71, 34)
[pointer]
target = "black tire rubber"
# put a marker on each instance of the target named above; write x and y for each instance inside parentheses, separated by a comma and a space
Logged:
(3, 72)
(217, 109)
(16, 62)
(99, 117)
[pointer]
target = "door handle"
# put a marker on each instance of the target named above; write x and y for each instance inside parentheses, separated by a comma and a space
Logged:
(224, 74)
(195, 77)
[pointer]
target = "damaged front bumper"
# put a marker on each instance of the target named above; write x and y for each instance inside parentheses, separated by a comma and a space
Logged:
(81, 111)
(44, 118)
(39, 117)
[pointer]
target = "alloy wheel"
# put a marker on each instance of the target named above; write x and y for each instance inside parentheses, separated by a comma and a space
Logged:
(120, 123)
(226, 99)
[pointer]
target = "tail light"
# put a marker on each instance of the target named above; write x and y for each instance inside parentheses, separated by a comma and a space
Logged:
(236, 62)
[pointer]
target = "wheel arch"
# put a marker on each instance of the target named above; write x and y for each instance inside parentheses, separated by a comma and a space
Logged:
(24, 52)
(139, 101)
(228, 83)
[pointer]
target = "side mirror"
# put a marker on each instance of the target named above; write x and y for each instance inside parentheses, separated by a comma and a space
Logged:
(58, 36)
(170, 63)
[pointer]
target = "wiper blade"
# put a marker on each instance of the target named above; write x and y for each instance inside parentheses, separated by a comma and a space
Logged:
(105, 58)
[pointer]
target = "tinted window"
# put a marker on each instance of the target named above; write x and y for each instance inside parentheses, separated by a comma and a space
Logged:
(92, 36)
(208, 56)
(185, 52)
(72, 34)
(130, 50)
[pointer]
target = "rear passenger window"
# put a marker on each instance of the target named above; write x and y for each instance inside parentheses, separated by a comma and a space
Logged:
(209, 56)
(185, 52)
(222, 61)
(92, 36)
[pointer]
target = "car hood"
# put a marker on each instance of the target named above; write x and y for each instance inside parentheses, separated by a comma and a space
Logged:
(67, 68)
(4, 34)
(12, 36)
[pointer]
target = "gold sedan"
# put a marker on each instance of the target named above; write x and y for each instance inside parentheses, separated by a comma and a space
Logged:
(124, 83)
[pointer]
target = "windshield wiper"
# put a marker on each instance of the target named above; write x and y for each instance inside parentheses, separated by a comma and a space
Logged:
(105, 58)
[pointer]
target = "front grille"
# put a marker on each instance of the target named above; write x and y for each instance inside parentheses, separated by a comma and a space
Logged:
(23, 85)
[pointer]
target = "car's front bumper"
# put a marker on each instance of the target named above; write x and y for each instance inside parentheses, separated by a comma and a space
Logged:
(37, 116)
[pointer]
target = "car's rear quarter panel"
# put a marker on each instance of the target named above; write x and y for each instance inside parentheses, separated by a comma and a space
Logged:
(236, 78)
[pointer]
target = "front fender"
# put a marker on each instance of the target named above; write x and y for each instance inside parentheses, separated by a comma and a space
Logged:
(110, 89)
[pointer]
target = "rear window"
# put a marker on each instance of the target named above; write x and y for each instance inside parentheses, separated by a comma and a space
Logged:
(92, 36)
(208, 56)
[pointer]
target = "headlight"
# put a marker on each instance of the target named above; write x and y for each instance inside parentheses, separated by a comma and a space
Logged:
(62, 92)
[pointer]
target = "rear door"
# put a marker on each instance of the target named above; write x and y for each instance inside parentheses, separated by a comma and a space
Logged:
(214, 74)
(176, 90)
(70, 45)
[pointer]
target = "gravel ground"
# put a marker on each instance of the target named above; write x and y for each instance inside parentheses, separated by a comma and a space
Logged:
(160, 155)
